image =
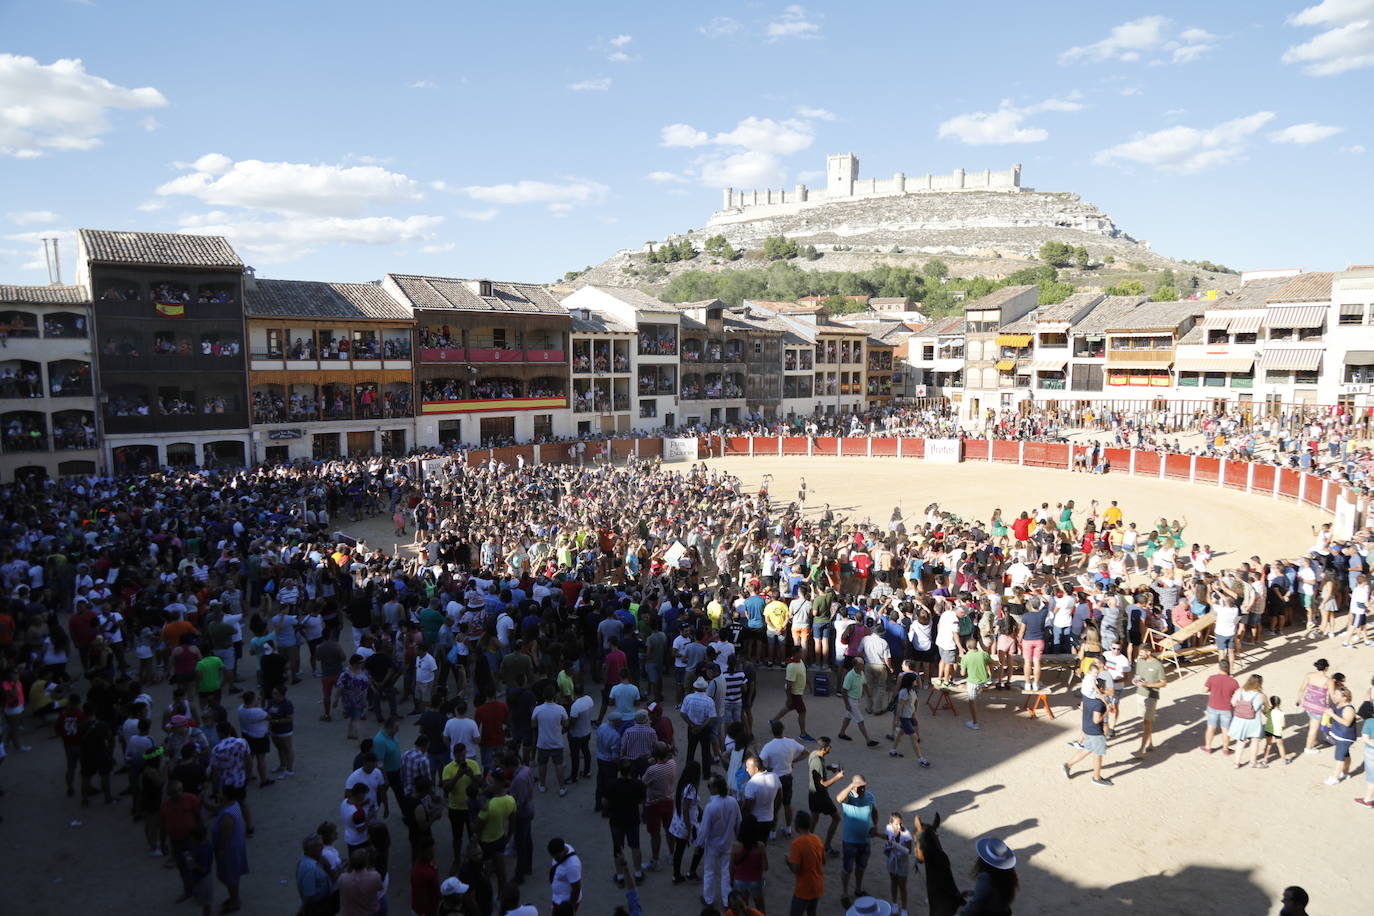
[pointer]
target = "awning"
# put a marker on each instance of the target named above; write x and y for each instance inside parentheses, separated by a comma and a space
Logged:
(1164, 362)
(1246, 324)
(1215, 364)
(1294, 359)
(1049, 365)
(1013, 340)
(1006, 365)
(1295, 316)
(1216, 322)
(1359, 358)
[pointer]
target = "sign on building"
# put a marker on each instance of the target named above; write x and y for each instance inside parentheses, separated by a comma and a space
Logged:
(944, 451)
(680, 449)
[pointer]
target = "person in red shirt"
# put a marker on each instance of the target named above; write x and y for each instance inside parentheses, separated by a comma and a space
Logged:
(180, 816)
(663, 726)
(1220, 687)
(424, 881)
(71, 721)
(491, 715)
(83, 627)
(1021, 527)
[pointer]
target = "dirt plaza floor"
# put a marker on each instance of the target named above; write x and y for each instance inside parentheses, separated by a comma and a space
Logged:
(1180, 831)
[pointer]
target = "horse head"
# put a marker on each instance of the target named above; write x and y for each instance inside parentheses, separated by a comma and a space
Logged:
(928, 838)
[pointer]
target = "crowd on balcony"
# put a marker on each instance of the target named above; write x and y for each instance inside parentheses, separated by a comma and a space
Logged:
(120, 294)
(25, 433)
(169, 292)
(74, 433)
(72, 383)
(20, 383)
(165, 343)
(440, 339)
(215, 296)
(124, 405)
(302, 348)
(657, 344)
(57, 326)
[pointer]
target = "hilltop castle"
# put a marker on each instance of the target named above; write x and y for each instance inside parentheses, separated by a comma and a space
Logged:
(843, 184)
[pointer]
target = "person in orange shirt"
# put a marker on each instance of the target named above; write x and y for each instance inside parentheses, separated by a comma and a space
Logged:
(806, 860)
(173, 631)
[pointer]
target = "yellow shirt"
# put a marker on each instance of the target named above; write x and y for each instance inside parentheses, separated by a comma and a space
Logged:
(775, 615)
(494, 817)
(713, 612)
(1112, 515)
(458, 795)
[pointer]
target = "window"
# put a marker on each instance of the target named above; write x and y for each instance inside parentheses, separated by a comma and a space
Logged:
(1305, 378)
(274, 343)
(758, 348)
(1358, 375)
(324, 446)
(1214, 380)
(543, 426)
(927, 352)
(1087, 378)
(1216, 336)
(1242, 379)
(1246, 338)
(1352, 314)
(648, 408)
(1188, 380)
(1278, 376)
(450, 433)
(1311, 333)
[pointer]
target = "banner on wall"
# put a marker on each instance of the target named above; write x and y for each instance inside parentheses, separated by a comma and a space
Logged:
(680, 449)
(1347, 517)
(944, 451)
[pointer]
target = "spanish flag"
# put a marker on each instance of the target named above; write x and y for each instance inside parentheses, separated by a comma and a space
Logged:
(171, 310)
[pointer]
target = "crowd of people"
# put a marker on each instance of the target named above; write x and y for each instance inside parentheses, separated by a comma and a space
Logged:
(545, 617)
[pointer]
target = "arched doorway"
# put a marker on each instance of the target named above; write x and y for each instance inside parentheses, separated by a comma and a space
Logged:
(225, 453)
(135, 459)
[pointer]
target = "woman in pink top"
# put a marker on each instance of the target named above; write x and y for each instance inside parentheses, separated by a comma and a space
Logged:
(360, 887)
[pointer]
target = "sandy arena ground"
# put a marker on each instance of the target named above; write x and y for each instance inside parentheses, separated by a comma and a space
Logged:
(1180, 832)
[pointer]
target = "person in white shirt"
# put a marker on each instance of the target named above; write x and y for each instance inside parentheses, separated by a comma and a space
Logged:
(459, 729)
(550, 722)
(426, 670)
(947, 642)
(1115, 667)
(780, 756)
(371, 776)
(760, 792)
(1227, 622)
(716, 833)
(877, 666)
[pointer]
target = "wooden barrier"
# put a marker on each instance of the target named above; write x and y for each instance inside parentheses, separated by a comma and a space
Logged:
(794, 445)
(1206, 470)
(884, 448)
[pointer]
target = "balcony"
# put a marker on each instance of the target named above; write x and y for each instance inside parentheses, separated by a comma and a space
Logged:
(442, 355)
(479, 404)
(1051, 384)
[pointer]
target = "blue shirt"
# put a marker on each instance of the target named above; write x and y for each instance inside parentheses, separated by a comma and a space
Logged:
(312, 881)
(607, 741)
(1034, 622)
(857, 812)
(625, 696)
(388, 751)
(753, 607)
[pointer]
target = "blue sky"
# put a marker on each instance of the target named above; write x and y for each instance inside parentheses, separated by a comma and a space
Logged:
(343, 140)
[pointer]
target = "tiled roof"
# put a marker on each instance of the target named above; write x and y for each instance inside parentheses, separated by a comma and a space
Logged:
(997, 298)
(1155, 316)
(944, 327)
(450, 293)
(1313, 287)
(1109, 313)
(596, 323)
(636, 298)
(171, 249)
(1252, 295)
(44, 295)
(311, 299)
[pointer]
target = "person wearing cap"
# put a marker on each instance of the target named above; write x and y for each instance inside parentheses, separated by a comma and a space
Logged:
(452, 897)
(995, 882)
(697, 711)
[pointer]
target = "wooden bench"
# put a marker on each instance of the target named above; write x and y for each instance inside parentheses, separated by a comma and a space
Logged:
(1169, 646)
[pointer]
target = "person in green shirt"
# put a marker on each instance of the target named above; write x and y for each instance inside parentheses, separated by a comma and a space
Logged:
(209, 678)
(974, 666)
(795, 693)
(493, 828)
(1149, 675)
(458, 775)
(851, 691)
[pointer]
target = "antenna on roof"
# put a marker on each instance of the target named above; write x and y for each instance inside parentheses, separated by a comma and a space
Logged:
(54, 261)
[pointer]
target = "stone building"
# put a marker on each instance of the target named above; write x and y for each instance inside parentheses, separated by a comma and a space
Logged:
(602, 372)
(985, 368)
(47, 392)
(330, 369)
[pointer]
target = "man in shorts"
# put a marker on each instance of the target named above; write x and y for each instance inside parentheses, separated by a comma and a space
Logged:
(780, 755)
(794, 682)
(800, 612)
(550, 722)
(820, 778)
(1149, 677)
(908, 699)
(1220, 687)
(859, 815)
(975, 666)
(1094, 739)
(851, 691)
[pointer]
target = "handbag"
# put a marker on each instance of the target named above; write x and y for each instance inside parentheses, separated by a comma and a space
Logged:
(678, 827)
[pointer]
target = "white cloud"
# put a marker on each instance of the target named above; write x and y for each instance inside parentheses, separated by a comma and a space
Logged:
(150, 124)
(621, 41)
(719, 27)
(595, 84)
(277, 240)
(816, 114)
(560, 207)
(424, 84)
(1124, 42)
(792, 22)
(1131, 90)
(1304, 134)
(59, 106)
(1346, 44)
(1185, 150)
(766, 135)
(665, 177)
(619, 57)
(438, 248)
(481, 216)
(683, 135)
(1354, 149)
(1175, 112)
(1005, 125)
(1131, 41)
(291, 188)
(29, 217)
(33, 242)
(750, 168)
(573, 191)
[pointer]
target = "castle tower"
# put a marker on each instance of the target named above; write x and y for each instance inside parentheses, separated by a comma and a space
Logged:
(841, 170)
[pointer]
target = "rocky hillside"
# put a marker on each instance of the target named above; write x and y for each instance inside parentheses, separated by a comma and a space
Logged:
(976, 233)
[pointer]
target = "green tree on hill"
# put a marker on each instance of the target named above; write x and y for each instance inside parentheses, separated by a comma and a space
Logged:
(935, 269)
(1126, 288)
(780, 248)
(1057, 254)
